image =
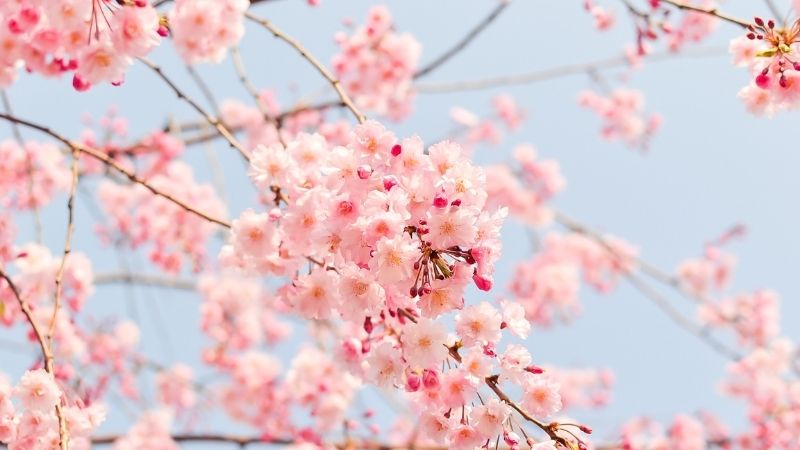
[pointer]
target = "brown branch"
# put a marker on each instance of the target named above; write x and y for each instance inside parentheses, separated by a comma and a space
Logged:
(213, 121)
(464, 42)
(334, 82)
(550, 429)
(554, 72)
(105, 159)
(47, 356)
(710, 11)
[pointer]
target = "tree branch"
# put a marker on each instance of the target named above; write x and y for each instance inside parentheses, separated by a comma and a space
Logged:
(462, 44)
(553, 73)
(334, 82)
(648, 291)
(213, 121)
(47, 356)
(105, 159)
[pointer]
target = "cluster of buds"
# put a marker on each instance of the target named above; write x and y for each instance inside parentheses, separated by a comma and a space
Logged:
(780, 42)
(435, 264)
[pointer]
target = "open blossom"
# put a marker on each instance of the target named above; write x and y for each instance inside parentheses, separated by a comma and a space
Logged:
(424, 343)
(37, 390)
(490, 417)
(203, 30)
(385, 368)
(254, 235)
(540, 396)
(479, 324)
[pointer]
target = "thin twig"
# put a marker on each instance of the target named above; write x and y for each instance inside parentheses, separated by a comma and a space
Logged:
(710, 11)
(213, 121)
(241, 72)
(67, 247)
(462, 44)
(492, 382)
(47, 356)
(102, 157)
(554, 72)
(37, 220)
(773, 8)
(648, 291)
(337, 86)
(144, 279)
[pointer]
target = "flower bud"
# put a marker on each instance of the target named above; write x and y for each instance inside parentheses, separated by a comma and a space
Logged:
(364, 171)
(430, 378)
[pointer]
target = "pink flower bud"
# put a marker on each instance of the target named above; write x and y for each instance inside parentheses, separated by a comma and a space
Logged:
(364, 171)
(389, 182)
(413, 382)
(396, 150)
(275, 214)
(80, 84)
(163, 31)
(585, 429)
(536, 370)
(368, 325)
(510, 438)
(351, 348)
(762, 81)
(481, 282)
(440, 201)
(430, 378)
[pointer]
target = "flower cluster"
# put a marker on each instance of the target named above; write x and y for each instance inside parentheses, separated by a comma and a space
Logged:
(526, 196)
(547, 285)
(138, 217)
(94, 40)
(204, 30)
(770, 53)
(32, 423)
(386, 224)
(623, 116)
(376, 65)
(31, 175)
(37, 269)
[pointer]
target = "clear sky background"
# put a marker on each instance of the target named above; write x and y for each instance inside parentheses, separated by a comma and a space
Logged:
(711, 166)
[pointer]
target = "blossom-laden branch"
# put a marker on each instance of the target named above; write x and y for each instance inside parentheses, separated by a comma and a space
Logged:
(47, 355)
(464, 42)
(650, 293)
(213, 121)
(334, 82)
(105, 159)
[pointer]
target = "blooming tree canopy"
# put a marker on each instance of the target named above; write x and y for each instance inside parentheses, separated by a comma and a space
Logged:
(366, 269)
